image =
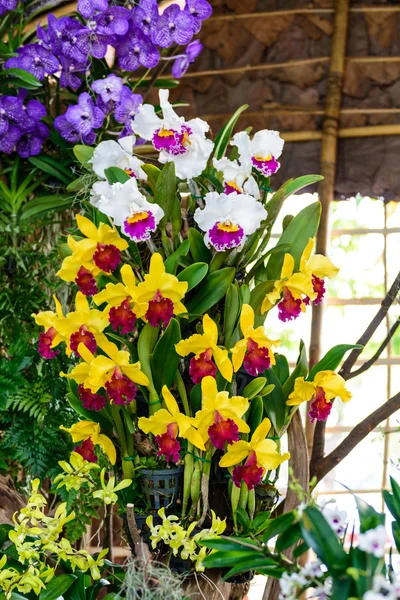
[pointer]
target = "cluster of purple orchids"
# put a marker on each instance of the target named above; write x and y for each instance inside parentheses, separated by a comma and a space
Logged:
(137, 35)
(21, 128)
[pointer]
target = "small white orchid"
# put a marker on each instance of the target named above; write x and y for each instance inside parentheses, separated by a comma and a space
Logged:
(181, 142)
(336, 518)
(373, 541)
(128, 208)
(117, 154)
(261, 152)
(107, 493)
(228, 219)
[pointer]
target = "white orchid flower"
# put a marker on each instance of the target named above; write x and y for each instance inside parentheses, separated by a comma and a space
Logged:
(128, 208)
(261, 152)
(181, 142)
(117, 154)
(237, 177)
(228, 218)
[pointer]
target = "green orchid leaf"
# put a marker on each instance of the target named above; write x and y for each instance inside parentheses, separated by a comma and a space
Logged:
(212, 291)
(51, 167)
(43, 204)
(198, 249)
(57, 587)
(300, 370)
(172, 261)
(278, 525)
(165, 361)
(23, 76)
(193, 274)
(369, 517)
(152, 173)
(231, 313)
(165, 191)
(302, 227)
(84, 155)
(274, 403)
(288, 189)
(116, 175)
(254, 387)
(223, 138)
(256, 299)
(332, 359)
(256, 413)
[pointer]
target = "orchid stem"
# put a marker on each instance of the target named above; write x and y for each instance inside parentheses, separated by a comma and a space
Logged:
(182, 392)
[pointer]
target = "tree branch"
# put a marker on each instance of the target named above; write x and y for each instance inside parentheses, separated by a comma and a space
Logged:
(377, 354)
(356, 436)
(372, 327)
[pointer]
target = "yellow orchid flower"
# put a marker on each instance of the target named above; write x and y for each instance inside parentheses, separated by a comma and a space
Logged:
(114, 372)
(204, 347)
(159, 296)
(85, 430)
(107, 493)
(51, 336)
(220, 416)
(120, 301)
(262, 455)
(99, 251)
(84, 325)
(255, 349)
(300, 288)
(326, 386)
(169, 423)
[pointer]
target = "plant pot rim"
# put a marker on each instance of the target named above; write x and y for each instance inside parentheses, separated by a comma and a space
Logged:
(161, 471)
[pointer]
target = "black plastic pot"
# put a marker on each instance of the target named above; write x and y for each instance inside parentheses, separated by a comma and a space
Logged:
(162, 487)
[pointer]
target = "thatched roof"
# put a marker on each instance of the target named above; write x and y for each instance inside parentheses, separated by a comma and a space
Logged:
(274, 56)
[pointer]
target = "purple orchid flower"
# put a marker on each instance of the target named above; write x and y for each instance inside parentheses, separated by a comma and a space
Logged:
(91, 41)
(36, 59)
(89, 8)
(200, 10)
(70, 132)
(135, 49)
(183, 61)
(145, 16)
(63, 34)
(9, 141)
(127, 109)
(109, 88)
(113, 21)
(43, 37)
(11, 112)
(6, 5)
(70, 71)
(174, 25)
(30, 143)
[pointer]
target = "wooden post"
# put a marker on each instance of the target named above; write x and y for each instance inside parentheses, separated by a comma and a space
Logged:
(330, 131)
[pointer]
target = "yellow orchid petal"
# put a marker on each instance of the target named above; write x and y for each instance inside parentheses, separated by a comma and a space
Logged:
(59, 311)
(114, 294)
(209, 388)
(82, 430)
(333, 385)
(300, 285)
(238, 354)
(236, 452)
(128, 277)
(80, 373)
(179, 308)
(210, 329)
(106, 445)
(110, 349)
(246, 318)
(305, 257)
(303, 392)
(135, 374)
(321, 266)
(196, 344)
(261, 431)
(85, 353)
(223, 363)
(156, 265)
(268, 456)
(170, 401)
(81, 302)
(157, 423)
(100, 370)
(288, 266)
(86, 227)
(194, 437)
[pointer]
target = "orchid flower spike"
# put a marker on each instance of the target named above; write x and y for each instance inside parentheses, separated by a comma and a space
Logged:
(325, 387)
(85, 430)
(205, 349)
(228, 219)
(120, 301)
(183, 143)
(261, 455)
(220, 416)
(167, 424)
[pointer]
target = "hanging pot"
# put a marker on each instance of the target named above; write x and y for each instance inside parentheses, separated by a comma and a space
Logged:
(162, 487)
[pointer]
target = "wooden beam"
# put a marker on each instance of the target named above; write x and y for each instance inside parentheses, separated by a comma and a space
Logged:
(302, 11)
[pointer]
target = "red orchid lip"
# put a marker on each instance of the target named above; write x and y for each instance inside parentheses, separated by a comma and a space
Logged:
(320, 409)
(250, 473)
(86, 450)
(120, 389)
(44, 344)
(83, 336)
(257, 358)
(86, 282)
(202, 366)
(169, 447)
(289, 307)
(223, 431)
(160, 310)
(122, 316)
(107, 257)
(90, 400)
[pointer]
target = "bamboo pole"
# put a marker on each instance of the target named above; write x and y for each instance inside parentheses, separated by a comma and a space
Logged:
(302, 11)
(277, 109)
(330, 134)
